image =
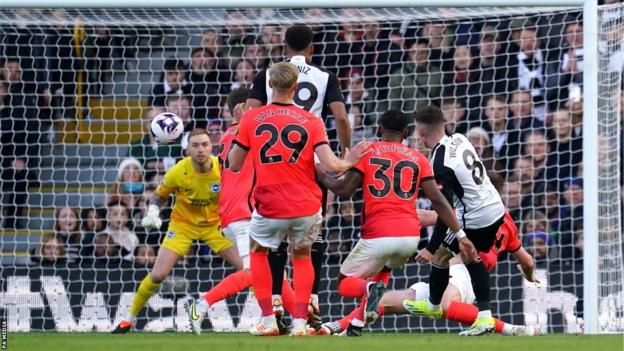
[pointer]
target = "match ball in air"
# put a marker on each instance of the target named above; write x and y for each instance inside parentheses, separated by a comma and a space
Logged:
(167, 128)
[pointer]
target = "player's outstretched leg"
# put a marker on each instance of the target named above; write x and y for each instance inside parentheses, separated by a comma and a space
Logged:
(230, 285)
(162, 267)
(484, 324)
(371, 308)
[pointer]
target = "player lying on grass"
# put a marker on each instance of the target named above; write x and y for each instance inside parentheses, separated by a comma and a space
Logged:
(282, 140)
(390, 177)
(458, 298)
(196, 183)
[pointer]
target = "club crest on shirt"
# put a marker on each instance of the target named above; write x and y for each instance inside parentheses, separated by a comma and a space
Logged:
(170, 235)
(215, 187)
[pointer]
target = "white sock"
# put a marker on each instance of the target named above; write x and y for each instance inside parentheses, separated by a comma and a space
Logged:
(268, 320)
(202, 306)
(357, 323)
(432, 306)
(129, 317)
(299, 323)
(507, 328)
(485, 314)
(314, 298)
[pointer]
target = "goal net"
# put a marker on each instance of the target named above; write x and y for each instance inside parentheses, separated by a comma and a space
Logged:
(79, 87)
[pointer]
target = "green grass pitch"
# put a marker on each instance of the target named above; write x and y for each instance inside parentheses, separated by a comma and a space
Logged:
(377, 341)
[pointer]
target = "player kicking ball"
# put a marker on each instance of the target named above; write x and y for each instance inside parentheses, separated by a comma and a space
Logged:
(390, 177)
(196, 183)
(282, 140)
(458, 298)
(462, 176)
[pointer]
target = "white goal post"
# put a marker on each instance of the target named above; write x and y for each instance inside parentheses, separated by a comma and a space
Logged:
(597, 199)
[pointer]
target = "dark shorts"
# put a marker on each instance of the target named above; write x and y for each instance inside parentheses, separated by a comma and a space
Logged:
(482, 238)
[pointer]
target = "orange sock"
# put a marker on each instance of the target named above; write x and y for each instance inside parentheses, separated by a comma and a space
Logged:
(303, 279)
(288, 298)
(344, 321)
(381, 276)
(229, 286)
(465, 313)
(352, 287)
(262, 281)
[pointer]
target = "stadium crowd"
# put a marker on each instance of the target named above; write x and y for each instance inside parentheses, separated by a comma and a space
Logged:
(512, 86)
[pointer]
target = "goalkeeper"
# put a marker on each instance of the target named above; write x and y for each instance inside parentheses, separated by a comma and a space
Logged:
(196, 183)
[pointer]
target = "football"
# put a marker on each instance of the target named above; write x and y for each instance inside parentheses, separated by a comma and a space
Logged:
(167, 128)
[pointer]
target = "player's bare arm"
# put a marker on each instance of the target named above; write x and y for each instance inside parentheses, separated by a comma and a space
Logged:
(427, 218)
(236, 157)
(526, 265)
(446, 215)
(343, 128)
(344, 186)
(331, 163)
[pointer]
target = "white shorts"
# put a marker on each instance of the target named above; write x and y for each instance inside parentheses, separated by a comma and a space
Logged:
(459, 277)
(301, 231)
(238, 232)
(369, 256)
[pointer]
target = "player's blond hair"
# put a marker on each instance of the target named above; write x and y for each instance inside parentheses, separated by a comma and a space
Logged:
(283, 76)
(198, 131)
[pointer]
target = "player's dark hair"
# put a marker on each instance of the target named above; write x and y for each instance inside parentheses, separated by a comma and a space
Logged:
(236, 97)
(394, 120)
(202, 50)
(496, 180)
(430, 116)
(298, 37)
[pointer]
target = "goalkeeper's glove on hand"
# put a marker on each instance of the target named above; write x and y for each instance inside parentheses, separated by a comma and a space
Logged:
(152, 218)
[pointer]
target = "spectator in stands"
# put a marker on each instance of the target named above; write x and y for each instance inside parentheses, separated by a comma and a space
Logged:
(130, 184)
(117, 218)
(528, 69)
(20, 138)
(67, 231)
(418, 83)
(566, 149)
(480, 139)
(579, 244)
(534, 221)
(526, 173)
(439, 39)
(512, 198)
(215, 131)
(382, 54)
(272, 38)
(357, 94)
(257, 54)
(456, 115)
(522, 118)
(570, 212)
(211, 40)
(145, 256)
(99, 59)
(359, 130)
(206, 84)
(350, 47)
(505, 141)
(491, 70)
(92, 220)
(236, 36)
(564, 72)
(243, 75)
(536, 147)
(50, 252)
(343, 230)
(172, 82)
(462, 75)
(181, 106)
(539, 245)
(105, 250)
(154, 157)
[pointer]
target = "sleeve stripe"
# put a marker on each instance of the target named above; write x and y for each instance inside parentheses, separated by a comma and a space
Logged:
(244, 147)
(426, 179)
(320, 143)
(512, 251)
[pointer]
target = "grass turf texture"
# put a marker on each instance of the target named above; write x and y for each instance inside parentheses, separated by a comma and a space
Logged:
(228, 341)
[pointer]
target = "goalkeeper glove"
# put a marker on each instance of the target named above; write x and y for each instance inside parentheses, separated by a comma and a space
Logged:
(152, 218)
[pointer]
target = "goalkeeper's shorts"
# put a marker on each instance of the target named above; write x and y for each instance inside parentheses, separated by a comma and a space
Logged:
(180, 236)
